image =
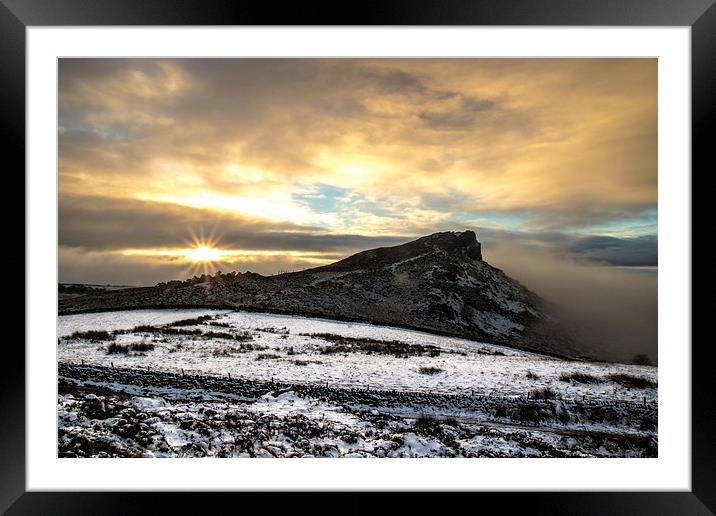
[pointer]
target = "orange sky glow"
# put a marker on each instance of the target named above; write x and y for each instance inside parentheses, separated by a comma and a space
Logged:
(293, 163)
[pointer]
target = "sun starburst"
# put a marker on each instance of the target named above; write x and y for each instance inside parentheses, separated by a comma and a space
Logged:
(204, 253)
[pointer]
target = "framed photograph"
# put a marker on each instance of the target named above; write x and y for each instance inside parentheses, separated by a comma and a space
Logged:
(440, 247)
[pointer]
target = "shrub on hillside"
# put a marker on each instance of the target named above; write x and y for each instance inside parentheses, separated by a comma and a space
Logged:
(93, 335)
(545, 393)
(579, 378)
(634, 382)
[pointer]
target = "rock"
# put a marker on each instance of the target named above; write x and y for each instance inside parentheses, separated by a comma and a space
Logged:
(436, 283)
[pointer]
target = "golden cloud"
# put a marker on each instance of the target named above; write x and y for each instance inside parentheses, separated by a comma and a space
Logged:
(399, 146)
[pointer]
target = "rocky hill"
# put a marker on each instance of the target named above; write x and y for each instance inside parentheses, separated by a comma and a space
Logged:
(438, 283)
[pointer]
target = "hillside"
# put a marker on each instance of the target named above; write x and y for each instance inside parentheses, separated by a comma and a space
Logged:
(438, 283)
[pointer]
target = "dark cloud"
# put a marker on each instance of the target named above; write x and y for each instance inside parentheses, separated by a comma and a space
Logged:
(104, 224)
(466, 114)
(639, 251)
(606, 250)
(396, 82)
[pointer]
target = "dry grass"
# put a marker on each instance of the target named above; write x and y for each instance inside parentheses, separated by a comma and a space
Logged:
(634, 382)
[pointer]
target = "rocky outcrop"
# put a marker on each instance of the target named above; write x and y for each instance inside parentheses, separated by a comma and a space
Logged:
(438, 283)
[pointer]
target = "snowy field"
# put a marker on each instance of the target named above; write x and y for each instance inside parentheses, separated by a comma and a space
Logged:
(430, 395)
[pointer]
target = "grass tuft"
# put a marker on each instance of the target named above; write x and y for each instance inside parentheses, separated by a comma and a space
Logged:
(93, 335)
(633, 382)
(266, 356)
(395, 348)
(191, 322)
(580, 378)
(545, 393)
(125, 349)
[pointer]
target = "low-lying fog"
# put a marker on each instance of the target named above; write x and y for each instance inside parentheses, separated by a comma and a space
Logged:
(615, 308)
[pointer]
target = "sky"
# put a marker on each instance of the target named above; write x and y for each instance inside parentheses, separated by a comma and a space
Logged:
(174, 167)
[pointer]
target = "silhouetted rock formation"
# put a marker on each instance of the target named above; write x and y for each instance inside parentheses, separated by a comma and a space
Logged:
(437, 283)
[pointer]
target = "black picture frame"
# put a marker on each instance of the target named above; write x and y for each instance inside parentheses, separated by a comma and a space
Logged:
(700, 15)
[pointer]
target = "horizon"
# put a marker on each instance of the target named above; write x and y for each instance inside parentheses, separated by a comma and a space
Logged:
(588, 264)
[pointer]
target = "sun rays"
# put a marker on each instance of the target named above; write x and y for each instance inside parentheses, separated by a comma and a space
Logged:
(203, 254)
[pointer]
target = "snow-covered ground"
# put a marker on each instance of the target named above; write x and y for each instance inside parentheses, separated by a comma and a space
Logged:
(466, 366)
(289, 425)
(135, 419)
(125, 320)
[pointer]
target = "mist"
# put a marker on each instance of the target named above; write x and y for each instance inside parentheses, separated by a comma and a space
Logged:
(613, 310)
(80, 266)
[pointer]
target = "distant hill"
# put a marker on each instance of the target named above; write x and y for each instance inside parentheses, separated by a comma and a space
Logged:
(438, 283)
(70, 290)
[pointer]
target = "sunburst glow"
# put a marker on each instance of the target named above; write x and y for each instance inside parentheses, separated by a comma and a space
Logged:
(204, 254)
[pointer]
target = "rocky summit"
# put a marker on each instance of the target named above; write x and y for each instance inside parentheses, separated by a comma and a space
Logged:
(438, 283)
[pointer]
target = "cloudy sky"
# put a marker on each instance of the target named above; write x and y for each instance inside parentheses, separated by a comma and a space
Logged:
(282, 164)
